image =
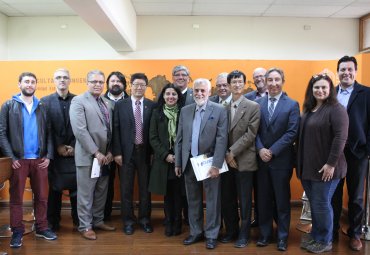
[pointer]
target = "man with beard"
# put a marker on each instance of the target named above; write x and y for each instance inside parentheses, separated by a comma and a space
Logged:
(25, 137)
(202, 130)
(116, 91)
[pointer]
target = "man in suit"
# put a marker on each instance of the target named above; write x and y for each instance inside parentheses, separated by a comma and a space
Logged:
(244, 119)
(116, 91)
(356, 99)
(25, 137)
(229, 196)
(62, 169)
(132, 152)
(223, 93)
(181, 79)
(202, 130)
(91, 116)
(277, 132)
(259, 81)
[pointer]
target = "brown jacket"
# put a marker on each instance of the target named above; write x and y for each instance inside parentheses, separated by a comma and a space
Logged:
(322, 137)
(242, 134)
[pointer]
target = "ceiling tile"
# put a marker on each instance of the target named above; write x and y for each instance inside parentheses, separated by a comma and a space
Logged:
(163, 8)
(229, 9)
(298, 11)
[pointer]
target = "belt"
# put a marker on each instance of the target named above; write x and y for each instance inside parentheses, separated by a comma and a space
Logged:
(138, 146)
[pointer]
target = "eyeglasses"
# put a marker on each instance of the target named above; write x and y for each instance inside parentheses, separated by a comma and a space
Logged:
(222, 85)
(96, 82)
(62, 77)
(141, 85)
(237, 82)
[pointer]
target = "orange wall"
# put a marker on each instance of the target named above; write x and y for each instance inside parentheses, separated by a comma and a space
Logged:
(297, 74)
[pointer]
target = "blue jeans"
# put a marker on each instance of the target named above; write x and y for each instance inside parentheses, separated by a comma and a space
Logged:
(319, 194)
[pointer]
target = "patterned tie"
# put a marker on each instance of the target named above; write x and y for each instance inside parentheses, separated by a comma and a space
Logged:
(195, 134)
(234, 107)
(105, 112)
(271, 107)
(138, 124)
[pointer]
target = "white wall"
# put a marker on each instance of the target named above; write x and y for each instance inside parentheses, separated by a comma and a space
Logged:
(3, 36)
(169, 37)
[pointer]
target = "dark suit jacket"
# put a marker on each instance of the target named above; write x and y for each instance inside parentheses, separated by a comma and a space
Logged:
(251, 95)
(358, 110)
(124, 129)
(279, 134)
(189, 99)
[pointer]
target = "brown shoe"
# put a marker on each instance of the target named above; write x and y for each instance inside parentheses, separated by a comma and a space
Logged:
(104, 227)
(89, 234)
(355, 244)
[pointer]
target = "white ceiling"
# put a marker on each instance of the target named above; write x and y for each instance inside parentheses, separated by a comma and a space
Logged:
(258, 8)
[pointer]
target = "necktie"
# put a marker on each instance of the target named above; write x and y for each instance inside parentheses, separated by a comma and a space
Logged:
(195, 134)
(233, 111)
(138, 124)
(105, 113)
(224, 103)
(271, 107)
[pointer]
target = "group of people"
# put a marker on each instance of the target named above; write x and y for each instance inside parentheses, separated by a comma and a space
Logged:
(62, 139)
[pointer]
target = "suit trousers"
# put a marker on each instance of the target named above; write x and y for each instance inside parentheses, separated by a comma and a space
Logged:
(91, 197)
(273, 183)
(355, 179)
(110, 192)
(55, 206)
(194, 192)
(39, 181)
(127, 180)
(244, 183)
(229, 202)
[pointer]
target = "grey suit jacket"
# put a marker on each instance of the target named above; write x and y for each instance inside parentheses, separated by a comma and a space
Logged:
(89, 128)
(212, 135)
(242, 134)
(189, 97)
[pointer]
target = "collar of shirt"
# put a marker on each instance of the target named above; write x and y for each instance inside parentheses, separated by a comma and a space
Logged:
(227, 100)
(111, 97)
(134, 100)
(63, 98)
(184, 91)
(203, 107)
(349, 89)
(276, 97)
(259, 95)
(236, 103)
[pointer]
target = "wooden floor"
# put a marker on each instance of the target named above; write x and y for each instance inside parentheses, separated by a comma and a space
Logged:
(70, 242)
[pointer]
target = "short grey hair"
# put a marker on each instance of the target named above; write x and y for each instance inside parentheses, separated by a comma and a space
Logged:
(202, 80)
(94, 72)
(222, 75)
(180, 68)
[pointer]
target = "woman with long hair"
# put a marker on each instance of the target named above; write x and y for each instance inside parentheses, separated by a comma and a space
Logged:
(162, 137)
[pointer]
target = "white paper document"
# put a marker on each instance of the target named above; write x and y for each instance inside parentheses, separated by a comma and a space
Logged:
(95, 170)
(201, 165)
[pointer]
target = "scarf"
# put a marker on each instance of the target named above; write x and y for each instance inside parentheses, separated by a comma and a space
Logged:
(171, 113)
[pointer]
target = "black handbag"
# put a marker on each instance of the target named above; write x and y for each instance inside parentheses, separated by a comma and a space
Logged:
(63, 174)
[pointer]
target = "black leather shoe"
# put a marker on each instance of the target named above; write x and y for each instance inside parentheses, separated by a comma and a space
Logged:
(254, 224)
(228, 238)
(262, 242)
(282, 245)
(211, 243)
(193, 239)
(147, 227)
(241, 243)
(168, 231)
(128, 229)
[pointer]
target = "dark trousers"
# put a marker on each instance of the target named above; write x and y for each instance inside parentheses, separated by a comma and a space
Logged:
(173, 202)
(355, 179)
(110, 192)
(244, 183)
(229, 202)
(55, 206)
(39, 181)
(273, 185)
(127, 172)
(255, 195)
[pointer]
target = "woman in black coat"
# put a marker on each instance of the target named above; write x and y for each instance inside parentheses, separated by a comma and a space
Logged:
(162, 137)
(321, 163)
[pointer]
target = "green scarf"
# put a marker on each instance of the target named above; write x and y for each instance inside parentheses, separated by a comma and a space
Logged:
(171, 113)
